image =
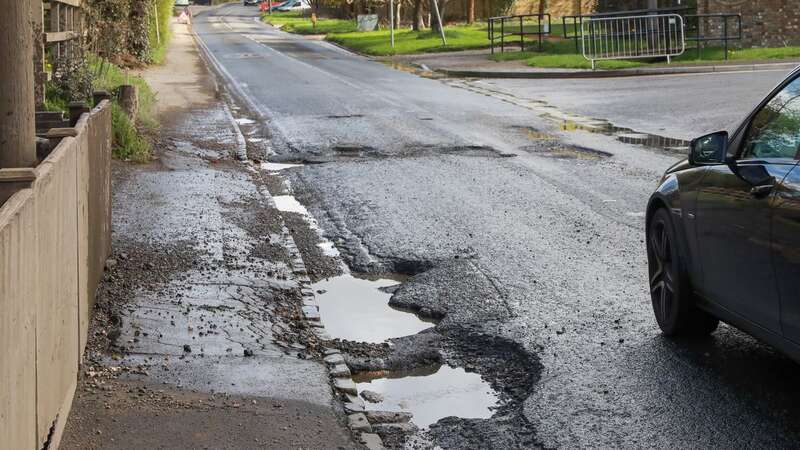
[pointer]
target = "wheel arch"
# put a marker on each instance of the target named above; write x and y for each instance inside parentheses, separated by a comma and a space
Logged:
(658, 201)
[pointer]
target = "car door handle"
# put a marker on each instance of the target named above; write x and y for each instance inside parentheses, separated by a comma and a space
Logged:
(762, 191)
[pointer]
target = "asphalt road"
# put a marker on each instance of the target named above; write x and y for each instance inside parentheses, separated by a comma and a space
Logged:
(543, 250)
(679, 106)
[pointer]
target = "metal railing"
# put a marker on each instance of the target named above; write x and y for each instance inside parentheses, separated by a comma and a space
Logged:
(572, 24)
(702, 28)
(629, 37)
(502, 27)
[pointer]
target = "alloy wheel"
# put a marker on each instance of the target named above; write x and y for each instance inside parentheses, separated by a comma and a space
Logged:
(662, 284)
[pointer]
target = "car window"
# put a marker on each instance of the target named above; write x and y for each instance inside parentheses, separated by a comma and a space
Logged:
(775, 129)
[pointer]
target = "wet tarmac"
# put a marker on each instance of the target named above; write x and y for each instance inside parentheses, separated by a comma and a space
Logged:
(542, 253)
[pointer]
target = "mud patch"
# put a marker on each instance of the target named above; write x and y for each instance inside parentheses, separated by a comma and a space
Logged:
(561, 151)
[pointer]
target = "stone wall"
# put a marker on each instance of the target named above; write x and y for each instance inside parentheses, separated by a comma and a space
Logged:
(765, 23)
(559, 8)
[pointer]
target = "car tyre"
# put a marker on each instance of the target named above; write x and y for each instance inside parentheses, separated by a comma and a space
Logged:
(670, 290)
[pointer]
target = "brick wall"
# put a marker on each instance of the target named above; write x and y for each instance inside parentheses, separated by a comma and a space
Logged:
(765, 23)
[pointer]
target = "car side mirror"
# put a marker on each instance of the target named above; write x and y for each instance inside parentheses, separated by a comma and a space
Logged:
(709, 149)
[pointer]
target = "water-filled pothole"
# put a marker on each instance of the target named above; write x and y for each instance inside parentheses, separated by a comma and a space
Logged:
(431, 394)
(357, 309)
(625, 135)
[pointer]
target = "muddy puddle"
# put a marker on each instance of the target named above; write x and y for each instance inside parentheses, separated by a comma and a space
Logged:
(431, 394)
(357, 309)
(625, 135)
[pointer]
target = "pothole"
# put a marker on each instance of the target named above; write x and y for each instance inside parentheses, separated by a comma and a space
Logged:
(276, 167)
(288, 203)
(625, 135)
(431, 393)
(568, 152)
(356, 308)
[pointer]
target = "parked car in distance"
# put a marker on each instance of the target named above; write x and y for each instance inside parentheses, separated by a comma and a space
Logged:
(294, 5)
(723, 229)
(251, 2)
(182, 3)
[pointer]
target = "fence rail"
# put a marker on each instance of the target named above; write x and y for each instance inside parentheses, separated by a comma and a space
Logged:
(506, 29)
(573, 24)
(630, 37)
(701, 28)
(55, 235)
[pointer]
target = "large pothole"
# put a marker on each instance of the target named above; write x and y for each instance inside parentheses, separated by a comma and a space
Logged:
(430, 393)
(356, 308)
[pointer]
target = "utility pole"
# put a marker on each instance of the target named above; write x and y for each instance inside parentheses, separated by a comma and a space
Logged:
(391, 20)
(439, 21)
(17, 127)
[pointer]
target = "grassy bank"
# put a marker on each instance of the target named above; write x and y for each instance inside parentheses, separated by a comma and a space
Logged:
(131, 142)
(345, 33)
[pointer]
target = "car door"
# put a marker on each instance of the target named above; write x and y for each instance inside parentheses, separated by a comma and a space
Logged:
(734, 211)
(786, 252)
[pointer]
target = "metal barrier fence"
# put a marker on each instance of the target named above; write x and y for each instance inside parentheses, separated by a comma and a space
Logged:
(645, 36)
(701, 28)
(572, 24)
(499, 28)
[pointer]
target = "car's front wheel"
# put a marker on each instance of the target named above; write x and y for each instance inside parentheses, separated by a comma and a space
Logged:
(670, 291)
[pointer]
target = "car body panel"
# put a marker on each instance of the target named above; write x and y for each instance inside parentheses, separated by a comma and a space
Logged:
(786, 252)
(750, 275)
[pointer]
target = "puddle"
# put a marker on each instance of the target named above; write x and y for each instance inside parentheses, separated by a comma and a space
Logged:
(274, 167)
(287, 203)
(431, 394)
(243, 121)
(329, 249)
(625, 135)
(422, 71)
(357, 309)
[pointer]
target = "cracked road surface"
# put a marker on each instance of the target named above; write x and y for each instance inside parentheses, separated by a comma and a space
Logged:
(541, 252)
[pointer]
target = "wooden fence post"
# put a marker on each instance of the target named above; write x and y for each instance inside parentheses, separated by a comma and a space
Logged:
(17, 126)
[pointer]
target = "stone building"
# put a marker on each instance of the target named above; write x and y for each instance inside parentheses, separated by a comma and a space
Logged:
(765, 23)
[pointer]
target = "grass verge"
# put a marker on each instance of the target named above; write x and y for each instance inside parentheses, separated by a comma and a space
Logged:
(131, 141)
(159, 31)
(561, 54)
(294, 22)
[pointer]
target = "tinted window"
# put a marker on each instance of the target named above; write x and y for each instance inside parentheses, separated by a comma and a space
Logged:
(775, 130)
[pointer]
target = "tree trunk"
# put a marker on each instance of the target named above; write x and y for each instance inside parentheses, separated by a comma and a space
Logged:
(471, 12)
(17, 127)
(397, 15)
(416, 21)
(542, 7)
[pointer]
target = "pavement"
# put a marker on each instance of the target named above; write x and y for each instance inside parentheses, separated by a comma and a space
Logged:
(476, 64)
(521, 235)
(197, 339)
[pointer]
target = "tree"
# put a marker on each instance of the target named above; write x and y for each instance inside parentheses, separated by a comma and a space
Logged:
(471, 12)
(416, 21)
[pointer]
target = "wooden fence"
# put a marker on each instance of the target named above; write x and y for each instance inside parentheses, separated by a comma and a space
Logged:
(55, 235)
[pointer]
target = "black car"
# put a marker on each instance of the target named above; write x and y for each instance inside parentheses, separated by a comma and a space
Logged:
(723, 229)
